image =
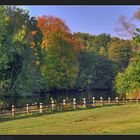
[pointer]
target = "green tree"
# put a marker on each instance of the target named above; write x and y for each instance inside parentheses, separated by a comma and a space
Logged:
(128, 81)
(101, 41)
(95, 71)
(16, 48)
(119, 52)
(86, 69)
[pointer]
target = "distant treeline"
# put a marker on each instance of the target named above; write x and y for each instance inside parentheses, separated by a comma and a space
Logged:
(39, 54)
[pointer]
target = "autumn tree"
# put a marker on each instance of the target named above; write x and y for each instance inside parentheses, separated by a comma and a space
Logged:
(60, 49)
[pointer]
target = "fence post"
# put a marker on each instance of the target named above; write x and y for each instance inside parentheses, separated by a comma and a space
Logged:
(117, 100)
(137, 101)
(93, 100)
(41, 108)
(13, 110)
(74, 103)
(27, 108)
(52, 104)
(101, 100)
(130, 100)
(64, 103)
(123, 101)
(109, 100)
(84, 102)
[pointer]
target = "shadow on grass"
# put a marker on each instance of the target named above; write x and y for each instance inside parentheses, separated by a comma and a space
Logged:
(23, 116)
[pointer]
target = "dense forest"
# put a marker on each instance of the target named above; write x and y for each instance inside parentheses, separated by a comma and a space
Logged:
(40, 54)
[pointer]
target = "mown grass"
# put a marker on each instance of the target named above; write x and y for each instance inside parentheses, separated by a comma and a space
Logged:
(124, 119)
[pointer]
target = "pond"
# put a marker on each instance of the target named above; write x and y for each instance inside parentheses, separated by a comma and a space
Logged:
(58, 96)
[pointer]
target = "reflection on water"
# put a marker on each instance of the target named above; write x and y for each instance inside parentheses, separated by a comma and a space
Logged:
(83, 94)
(8, 101)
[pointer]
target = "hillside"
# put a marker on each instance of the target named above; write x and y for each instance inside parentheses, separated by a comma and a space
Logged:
(105, 120)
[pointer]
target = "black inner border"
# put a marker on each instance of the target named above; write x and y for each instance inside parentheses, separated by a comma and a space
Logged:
(70, 2)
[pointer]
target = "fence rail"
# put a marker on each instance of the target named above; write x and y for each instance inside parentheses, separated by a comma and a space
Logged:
(64, 105)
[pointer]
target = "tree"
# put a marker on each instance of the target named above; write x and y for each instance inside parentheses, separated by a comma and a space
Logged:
(95, 71)
(101, 41)
(86, 69)
(60, 48)
(16, 47)
(104, 73)
(128, 82)
(119, 52)
(125, 27)
(103, 52)
(84, 38)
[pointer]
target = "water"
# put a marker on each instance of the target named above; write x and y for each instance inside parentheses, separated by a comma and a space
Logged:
(58, 96)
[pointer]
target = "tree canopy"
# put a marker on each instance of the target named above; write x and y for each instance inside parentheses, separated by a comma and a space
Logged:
(40, 54)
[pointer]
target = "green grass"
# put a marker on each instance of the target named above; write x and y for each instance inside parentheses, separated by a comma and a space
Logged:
(104, 120)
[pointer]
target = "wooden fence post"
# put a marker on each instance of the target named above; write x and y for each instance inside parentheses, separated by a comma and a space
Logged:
(137, 101)
(41, 108)
(93, 100)
(109, 100)
(101, 100)
(13, 110)
(64, 103)
(84, 102)
(74, 103)
(123, 101)
(130, 100)
(52, 104)
(117, 100)
(27, 108)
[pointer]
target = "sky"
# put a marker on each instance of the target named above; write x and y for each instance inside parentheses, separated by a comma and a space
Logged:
(88, 19)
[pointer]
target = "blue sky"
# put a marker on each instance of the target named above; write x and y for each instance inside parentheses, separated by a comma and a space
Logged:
(88, 19)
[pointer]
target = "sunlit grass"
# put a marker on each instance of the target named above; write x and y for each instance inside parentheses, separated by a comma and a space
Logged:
(105, 120)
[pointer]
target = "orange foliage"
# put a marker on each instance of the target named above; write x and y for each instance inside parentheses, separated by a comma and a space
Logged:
(49, 24)
(34, 33)
(53, 29)
(134, 95)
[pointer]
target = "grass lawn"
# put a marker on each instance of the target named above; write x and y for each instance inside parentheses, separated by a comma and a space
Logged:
(123, 119)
